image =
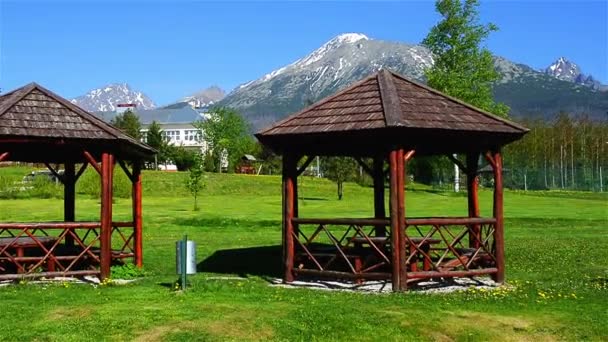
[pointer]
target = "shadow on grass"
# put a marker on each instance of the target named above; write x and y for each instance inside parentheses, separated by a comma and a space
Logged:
(215, 222)
(313, 199)
(263, 261)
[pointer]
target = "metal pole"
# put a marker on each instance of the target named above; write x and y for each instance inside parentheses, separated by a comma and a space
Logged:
(184, 254)
(456, 177)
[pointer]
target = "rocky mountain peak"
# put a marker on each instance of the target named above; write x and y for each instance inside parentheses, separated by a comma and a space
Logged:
(105, 99)
(205, 97)
(563, 69)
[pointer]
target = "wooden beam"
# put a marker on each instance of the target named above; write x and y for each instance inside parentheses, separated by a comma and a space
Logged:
(458, 163)
(124, 167)
(369, 170)
(81, 170)
(4, 156)
(69, 198)
(289, 174)
(473, 197)
(408, 155)
(379, 205)
(55, 173)
(136, 197)
(105, 236)
(401, 216)
(394, 214)
(499, 237)
(302, 168)
(490, 159)
(92, 161)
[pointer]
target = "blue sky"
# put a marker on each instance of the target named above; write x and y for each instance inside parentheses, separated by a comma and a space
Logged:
(170, 49)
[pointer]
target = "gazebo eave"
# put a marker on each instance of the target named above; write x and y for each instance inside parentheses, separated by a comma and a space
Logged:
(370, 143)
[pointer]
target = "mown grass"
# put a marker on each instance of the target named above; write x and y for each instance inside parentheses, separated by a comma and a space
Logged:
(556, 261)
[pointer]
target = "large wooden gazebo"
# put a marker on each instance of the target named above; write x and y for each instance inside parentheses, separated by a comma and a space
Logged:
(386, 119)
(39, 126)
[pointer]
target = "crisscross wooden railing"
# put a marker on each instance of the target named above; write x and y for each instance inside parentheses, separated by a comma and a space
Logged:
(435, 248)
(450, 247)
(42, 249)
(341, 248)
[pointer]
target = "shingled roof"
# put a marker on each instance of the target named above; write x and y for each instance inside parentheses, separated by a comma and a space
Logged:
(387, 104)
(35, 115)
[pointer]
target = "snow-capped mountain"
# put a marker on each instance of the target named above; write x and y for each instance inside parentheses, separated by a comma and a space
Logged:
(106, 98)
(205, 97)
(350, 57)
(336, 64)
(566, 70)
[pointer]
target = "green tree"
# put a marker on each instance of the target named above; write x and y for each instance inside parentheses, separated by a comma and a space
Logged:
(195, 182)
(129, 123)
(339, 170)
(154, 136)
(463, 68)
(227, 133)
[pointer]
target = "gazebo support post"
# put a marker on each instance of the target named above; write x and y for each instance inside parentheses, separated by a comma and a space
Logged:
(107, 172)
(397, 221)
(69, 198)
(472, 196)
(499, 237)
(289, 181)
(379, 207)
(136, 196)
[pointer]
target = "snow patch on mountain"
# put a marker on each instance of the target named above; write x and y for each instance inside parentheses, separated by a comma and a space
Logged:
(105, 99)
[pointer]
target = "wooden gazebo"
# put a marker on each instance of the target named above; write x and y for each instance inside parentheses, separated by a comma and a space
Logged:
(39, 126)
(386, 119)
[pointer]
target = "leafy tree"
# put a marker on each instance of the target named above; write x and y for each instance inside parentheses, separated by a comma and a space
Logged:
(226, 132)
(463, 68)
(195, 182)
(339, 170)
(154, 136)
(129, 123)
(185, 159)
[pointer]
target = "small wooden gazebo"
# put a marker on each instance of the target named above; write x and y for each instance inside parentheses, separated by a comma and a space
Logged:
(39, 126)
(387, 119)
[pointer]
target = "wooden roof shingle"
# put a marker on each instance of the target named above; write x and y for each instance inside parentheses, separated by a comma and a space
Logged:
(34, 113)
(387, 102)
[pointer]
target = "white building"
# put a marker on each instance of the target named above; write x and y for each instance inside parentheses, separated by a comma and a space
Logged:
(176, 124)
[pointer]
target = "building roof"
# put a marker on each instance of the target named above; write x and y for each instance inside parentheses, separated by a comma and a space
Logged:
(381, 109)
(35, 115)
(181, 113)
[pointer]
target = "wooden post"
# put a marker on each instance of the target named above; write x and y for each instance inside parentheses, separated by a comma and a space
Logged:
(499, 237)
(107, 172)
(379, 207)
(395, 219)
(472, 195)
(69, 198)
(401, 215)
(289, 175)
(4, 156)
(137, 214)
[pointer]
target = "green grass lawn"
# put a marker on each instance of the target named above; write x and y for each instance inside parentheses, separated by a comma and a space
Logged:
(556, 258)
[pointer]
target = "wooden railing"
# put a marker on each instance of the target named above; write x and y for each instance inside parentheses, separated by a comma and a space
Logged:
(31, 250)
(436, 247)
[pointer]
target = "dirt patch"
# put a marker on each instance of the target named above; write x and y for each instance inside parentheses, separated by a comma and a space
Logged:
(497, 327)
(70, 312)
(157, 333)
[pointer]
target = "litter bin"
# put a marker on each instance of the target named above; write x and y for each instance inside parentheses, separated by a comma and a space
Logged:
(185, 256)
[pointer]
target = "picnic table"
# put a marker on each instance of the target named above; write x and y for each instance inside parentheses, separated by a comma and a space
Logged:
(422, 243)
(19, 245)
